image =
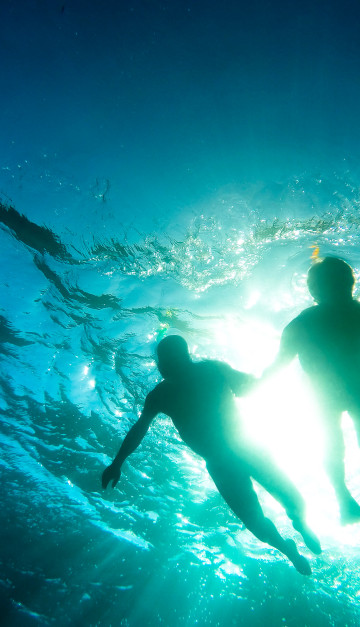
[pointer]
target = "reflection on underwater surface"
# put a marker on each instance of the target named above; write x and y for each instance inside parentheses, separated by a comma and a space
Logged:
(78, 326)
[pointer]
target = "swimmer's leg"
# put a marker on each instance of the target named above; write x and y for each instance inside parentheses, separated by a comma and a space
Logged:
(266, 472)
(335, 466)
(237, 490)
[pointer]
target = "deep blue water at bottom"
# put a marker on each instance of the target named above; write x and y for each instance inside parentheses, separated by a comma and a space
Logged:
(80, 314)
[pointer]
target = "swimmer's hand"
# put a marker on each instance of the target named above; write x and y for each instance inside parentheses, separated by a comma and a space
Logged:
(251, 383)
(111, 473)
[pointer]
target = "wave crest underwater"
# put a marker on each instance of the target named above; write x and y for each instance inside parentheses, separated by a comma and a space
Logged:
(80, 316)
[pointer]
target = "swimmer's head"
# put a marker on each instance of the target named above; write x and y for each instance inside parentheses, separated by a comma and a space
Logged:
(330, 280)
(172, 355)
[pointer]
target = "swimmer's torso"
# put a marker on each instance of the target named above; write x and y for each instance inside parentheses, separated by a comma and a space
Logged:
(201, 405)
(327, 341)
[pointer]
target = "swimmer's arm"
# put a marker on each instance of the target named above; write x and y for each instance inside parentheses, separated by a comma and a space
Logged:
(132, 440)
(287, 351)
(241, 383)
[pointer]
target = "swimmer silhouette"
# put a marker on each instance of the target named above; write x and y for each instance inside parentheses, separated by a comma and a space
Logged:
(326, 338)
(199, 398)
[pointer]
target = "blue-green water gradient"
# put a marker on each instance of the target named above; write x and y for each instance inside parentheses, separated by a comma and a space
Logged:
(164, 166)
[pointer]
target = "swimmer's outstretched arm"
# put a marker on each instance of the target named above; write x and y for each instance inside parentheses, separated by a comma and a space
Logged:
(286, 353)
(241, 383)
(131, 442)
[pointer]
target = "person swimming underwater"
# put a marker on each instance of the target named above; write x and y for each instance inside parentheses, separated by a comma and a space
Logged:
(199, 397)
(326, 339)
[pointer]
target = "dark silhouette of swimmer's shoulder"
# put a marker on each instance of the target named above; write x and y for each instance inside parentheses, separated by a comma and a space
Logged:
(209, 373)
(325, 323)
(326, 338)
(199, 388)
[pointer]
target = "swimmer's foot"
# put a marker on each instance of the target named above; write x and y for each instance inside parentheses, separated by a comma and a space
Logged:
(311, 540)
(301, 564)
(349, 512)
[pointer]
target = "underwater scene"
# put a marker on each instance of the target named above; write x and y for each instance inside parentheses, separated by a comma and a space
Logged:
(167, 168)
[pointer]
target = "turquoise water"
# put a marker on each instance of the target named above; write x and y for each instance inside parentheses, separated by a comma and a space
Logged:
(166, 167)
(79, 320)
